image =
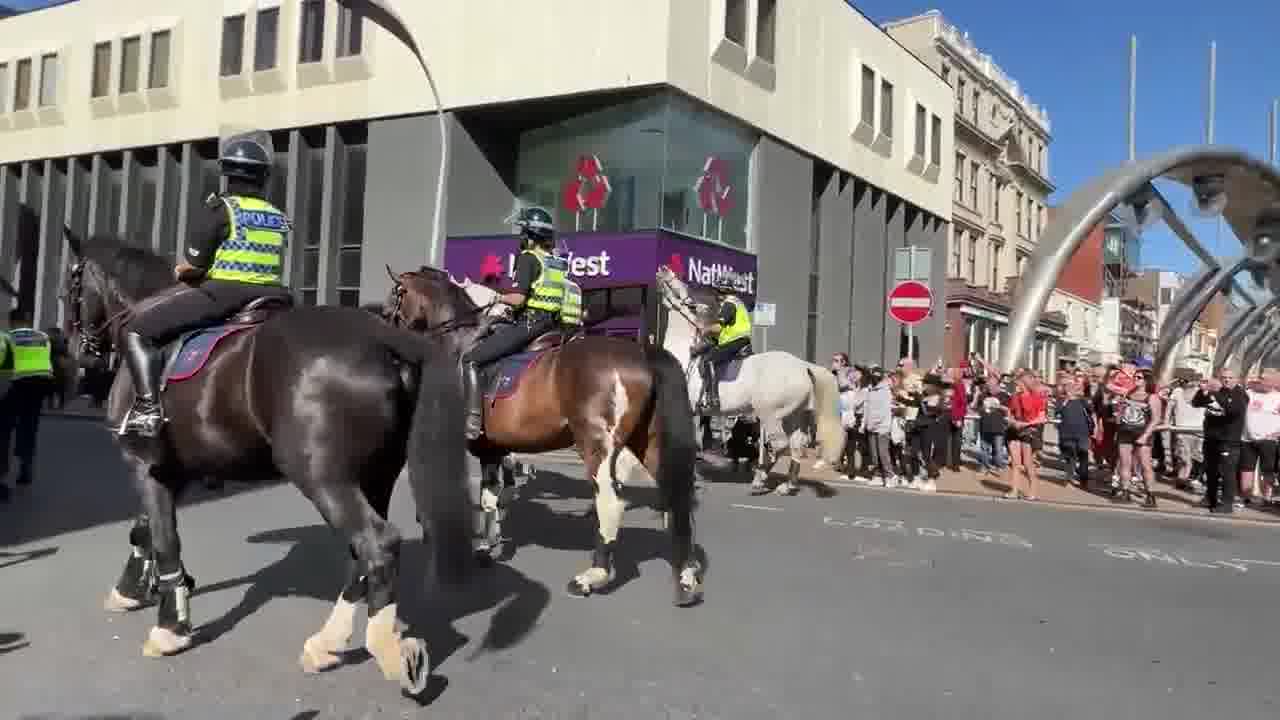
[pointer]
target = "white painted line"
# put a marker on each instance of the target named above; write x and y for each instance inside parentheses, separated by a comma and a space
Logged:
(742, 506)
(904, 302)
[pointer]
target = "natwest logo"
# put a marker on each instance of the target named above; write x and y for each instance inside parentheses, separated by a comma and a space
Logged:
(579, 265)
(706, 273)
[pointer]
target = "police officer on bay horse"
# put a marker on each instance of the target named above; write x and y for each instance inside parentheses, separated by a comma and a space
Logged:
(234, 255)
(535, 302)
(732, 336)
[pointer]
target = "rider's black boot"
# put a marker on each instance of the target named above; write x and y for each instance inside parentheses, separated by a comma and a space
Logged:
(146, 416)
(471, 391)
(712, 388)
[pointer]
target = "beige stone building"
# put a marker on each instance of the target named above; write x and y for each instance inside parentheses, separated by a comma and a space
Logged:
(1001, 155)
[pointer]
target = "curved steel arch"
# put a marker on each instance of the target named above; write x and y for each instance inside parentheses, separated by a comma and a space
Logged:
(1252, 185)
(1239, 330)
(1259, 346)
(1188, 306)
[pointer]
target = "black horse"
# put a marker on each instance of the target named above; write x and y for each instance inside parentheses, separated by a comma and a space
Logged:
(330, 398)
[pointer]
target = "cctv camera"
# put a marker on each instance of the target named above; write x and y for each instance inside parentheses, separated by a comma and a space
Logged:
(1210, 194)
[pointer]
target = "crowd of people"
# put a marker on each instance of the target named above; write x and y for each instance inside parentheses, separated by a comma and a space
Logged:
(1118, 431)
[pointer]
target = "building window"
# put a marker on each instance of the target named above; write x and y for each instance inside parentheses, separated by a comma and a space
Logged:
(1029, 220)
(868, 97)
(266, 42)
(1017, 210)
(311, 193)
(130, 64)
(945, 72)
(973, 184)
(22, 85)
(355, 154)
(935, 149)
(1022, 263)
(735, 21)
(921, 127)
(886, 108)
(1166, 295)
(350, 31)
(957, 237)
(48, 80)
(977, 101)
(972, 277)
(995, 266)
(232, 45)
(960, 88)
(158, 72)
(959, 190)
(766, 29)
(995, 200)
(101, 69)
(4, 86)
(311, 37)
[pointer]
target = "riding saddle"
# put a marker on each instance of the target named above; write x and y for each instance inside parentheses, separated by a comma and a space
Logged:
(187, 356)
(501, 378)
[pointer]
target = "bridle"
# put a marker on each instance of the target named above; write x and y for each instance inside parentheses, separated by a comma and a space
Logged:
(683, 308)
(93, 339)
(395, 314)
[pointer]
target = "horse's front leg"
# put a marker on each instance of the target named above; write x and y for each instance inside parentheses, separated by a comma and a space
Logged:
(172, 632)
(136, 587)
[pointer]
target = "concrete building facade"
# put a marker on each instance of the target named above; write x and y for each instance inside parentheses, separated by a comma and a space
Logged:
(1159, 289)
(1001, 176)
(799, 144)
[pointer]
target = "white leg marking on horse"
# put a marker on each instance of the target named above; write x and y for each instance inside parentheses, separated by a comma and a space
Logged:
(609, 505)
(382, 640)
(320, 651)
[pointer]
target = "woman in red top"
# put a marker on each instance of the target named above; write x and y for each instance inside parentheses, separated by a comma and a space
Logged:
(1027, 416)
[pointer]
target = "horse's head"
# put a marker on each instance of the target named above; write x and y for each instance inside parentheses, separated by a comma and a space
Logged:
(678, 298)
(84, 304)
(427, 299)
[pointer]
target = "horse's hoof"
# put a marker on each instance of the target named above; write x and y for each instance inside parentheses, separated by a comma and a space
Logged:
(688, 587)
(162, 642)
(116, 602)
(687, 598)
(415, 665)
(787, 490)
(759, 489)
(577, 589)
(316, 659)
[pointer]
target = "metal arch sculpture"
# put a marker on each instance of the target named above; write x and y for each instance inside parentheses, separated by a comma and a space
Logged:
(1187, 306)
(1239, 330)
(1251, 185)
(1260, 345)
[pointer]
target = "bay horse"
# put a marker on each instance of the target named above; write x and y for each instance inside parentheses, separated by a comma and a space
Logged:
(622, 406)
(778, 388)
(330, 398)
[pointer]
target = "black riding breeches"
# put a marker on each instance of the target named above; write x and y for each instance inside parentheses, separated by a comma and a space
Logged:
(192, 308)
(722, 354)
(508, 339)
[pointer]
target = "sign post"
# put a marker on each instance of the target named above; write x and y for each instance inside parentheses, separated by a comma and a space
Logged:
(766, 316)
(910, 303)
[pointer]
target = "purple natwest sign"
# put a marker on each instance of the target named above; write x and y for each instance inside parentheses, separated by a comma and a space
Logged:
(604, 260)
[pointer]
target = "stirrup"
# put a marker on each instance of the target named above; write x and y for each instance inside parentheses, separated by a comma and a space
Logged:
(143, 420)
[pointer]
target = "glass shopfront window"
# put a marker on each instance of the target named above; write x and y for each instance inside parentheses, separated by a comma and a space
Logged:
(669, 163)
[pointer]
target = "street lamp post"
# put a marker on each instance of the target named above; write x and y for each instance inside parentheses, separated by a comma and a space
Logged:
(382, 14)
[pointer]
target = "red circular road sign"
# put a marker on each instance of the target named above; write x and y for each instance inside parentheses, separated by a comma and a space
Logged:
(910, 302)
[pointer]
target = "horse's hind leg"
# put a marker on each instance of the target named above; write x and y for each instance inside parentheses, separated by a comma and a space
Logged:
(323, 650)
(377, 545)
(136, 587)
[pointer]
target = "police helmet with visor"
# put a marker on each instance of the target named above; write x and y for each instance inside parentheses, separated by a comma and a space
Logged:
(535, 224)
(245, 158)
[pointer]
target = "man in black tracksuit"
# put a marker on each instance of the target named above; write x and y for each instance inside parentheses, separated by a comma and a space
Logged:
(1225, 403)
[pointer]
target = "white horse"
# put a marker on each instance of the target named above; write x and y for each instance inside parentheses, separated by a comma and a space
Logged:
(778, 388)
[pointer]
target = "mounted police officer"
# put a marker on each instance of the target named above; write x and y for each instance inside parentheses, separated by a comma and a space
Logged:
(234, 255)
(26, 362)
(732, 333)
(535, 303)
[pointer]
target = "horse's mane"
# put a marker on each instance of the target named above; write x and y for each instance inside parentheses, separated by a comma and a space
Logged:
(438, 285)
(134, 272)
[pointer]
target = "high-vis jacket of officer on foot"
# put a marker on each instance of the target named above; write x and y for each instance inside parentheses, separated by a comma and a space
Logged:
(254, 249)
(28, 354)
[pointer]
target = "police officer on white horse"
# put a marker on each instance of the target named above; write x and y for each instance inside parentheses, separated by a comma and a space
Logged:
(234, 255)
(729, 337)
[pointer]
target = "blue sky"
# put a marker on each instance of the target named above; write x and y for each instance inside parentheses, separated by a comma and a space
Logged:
(1075, 63)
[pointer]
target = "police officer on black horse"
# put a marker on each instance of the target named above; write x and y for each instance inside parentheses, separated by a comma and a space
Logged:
(729, 337)
(536, 303)
(234, 255)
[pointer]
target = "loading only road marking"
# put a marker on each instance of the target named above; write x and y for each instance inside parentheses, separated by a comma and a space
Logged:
(1155, 556)
(985, 537)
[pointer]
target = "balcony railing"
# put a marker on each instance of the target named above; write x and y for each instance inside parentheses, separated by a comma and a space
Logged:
(959, 43)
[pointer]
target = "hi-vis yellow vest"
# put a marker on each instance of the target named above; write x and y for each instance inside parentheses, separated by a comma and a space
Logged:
(253, 252)
(26, 353)
(547, 293)
(571, 311)
(741, 325)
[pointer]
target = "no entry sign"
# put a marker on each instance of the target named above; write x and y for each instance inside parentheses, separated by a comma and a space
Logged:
(910, 302)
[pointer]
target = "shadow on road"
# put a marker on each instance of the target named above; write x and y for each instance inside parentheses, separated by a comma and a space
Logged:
(81, 483)
(9, 559)
(11, 641)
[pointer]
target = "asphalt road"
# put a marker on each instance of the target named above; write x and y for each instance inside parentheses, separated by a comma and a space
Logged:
(868, 604)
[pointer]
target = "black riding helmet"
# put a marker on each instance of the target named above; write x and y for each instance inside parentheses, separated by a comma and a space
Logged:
(245, 159)
(536, 224)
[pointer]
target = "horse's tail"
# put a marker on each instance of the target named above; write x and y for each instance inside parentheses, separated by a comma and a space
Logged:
(677, 446)
(437, 454)
(826, 410)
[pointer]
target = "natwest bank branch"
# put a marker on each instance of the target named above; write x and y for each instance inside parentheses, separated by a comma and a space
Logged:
(616, 270)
